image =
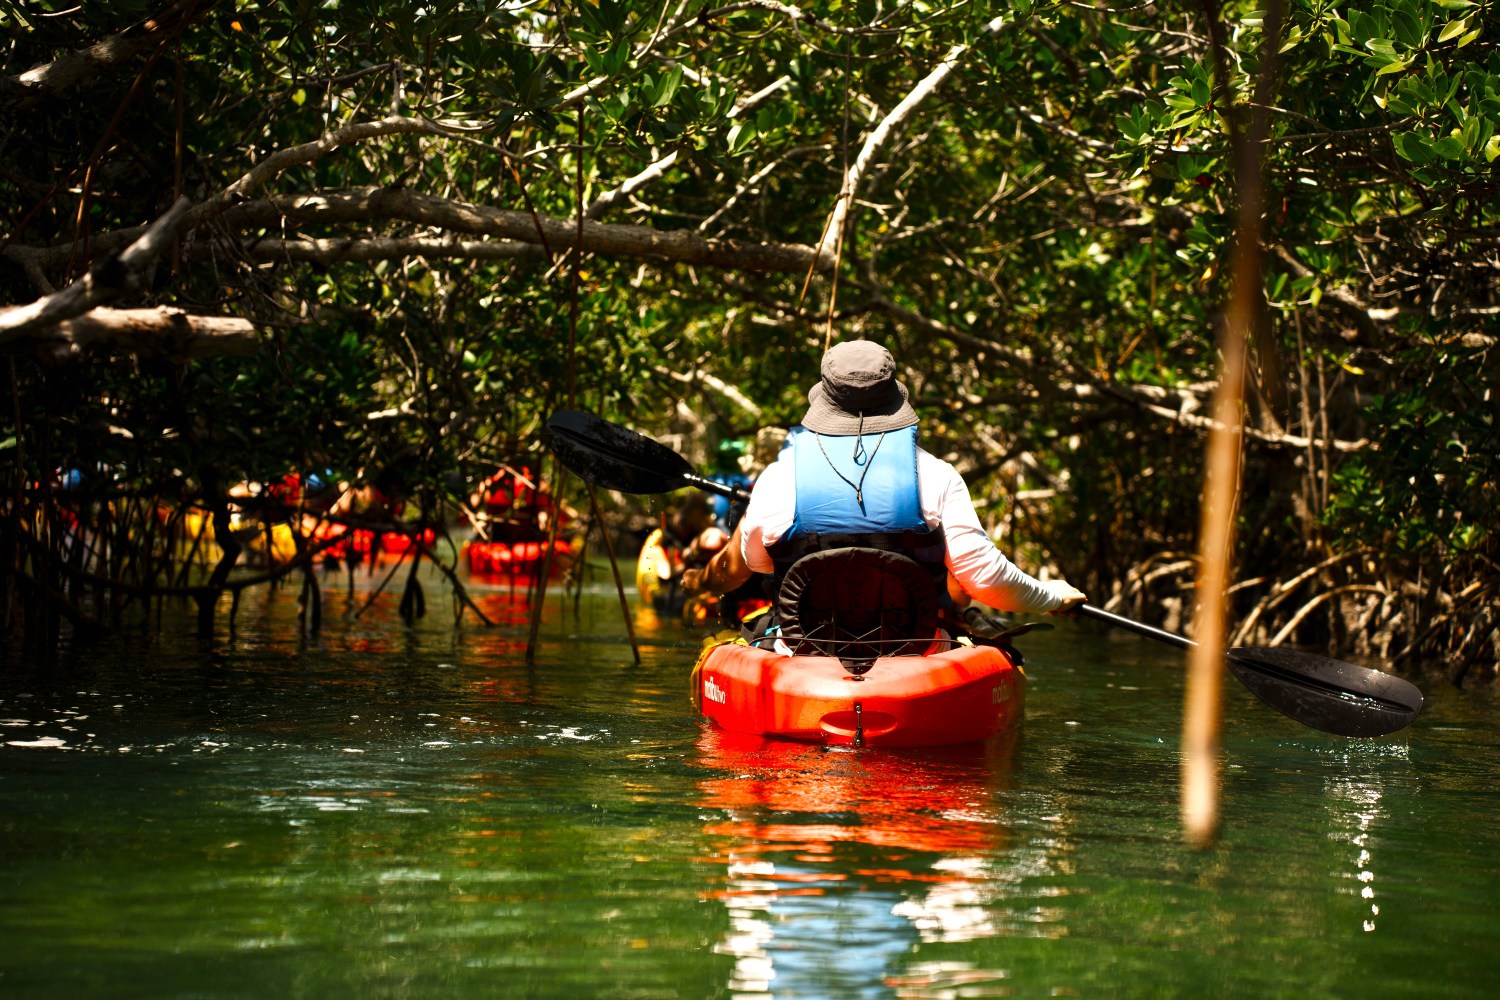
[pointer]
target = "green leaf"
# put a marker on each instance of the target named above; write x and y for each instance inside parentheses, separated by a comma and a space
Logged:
(1412, 146)
(590, 17)
(1452, 29)
(1449, 147)
(1408, 29)
(668, 87)
(741, 136)
(617, 57)
(1472, 138)
(1361, 25)
(1483, 132)
(615, 107)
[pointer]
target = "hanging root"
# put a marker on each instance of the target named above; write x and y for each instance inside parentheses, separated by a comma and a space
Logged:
(413, 601)
(461, 597)
(1480, 643)
(310, 601)
(1278, 595)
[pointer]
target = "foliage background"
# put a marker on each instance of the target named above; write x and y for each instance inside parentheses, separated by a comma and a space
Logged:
(389, 191)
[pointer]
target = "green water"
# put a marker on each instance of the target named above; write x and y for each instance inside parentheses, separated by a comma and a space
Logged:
(384, 811)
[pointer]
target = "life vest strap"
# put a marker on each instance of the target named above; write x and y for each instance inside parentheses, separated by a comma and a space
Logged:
(926, 547)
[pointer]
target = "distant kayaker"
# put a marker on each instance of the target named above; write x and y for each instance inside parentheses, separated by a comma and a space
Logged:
(853, 473)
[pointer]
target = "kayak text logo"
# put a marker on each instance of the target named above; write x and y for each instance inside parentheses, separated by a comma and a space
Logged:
(713, 692)
(999, 694)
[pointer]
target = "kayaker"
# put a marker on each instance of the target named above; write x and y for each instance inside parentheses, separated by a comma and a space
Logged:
(853, 468)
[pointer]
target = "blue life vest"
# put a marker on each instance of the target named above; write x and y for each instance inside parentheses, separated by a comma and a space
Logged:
(829, 514)
(834, 474)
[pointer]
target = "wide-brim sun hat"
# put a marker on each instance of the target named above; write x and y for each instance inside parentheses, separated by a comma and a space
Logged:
(858, 393)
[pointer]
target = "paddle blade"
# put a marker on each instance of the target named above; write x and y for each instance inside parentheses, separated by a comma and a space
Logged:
(614, 457)
(1327, 694)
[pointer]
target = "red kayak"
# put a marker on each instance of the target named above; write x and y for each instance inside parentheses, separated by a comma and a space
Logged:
(520, 558)
(962, 695)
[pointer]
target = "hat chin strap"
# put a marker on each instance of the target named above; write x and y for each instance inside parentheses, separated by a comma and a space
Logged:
(859, 449)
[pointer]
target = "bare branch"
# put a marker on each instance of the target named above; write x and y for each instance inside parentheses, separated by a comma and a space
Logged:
(308, 152)
(106, 281)
(729, 392)
(385, 204)
(1365, 317)
(609, 239)
(882, 132)
(1082, 386)
(325, 252)
(162, 331)
(611, 198)
(79, 69)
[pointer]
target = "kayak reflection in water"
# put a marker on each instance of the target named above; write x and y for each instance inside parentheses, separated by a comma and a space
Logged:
(839, 865)
(852, 476)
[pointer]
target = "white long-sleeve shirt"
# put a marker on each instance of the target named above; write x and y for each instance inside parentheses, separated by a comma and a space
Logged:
(980, 568)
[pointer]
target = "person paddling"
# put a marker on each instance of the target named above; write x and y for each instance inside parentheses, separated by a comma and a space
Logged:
(853, 474)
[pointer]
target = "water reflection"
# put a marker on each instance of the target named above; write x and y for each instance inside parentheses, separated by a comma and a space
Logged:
(1355, 811)
(839, 863)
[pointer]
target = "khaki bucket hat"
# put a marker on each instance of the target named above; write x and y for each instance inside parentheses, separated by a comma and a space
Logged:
(858, 393)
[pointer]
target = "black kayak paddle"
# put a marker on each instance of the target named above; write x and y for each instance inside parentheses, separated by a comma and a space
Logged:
(1320, 692)
(617, 458)
(1327, 694)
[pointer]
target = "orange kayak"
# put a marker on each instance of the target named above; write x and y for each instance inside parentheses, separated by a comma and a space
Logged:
(962, 695)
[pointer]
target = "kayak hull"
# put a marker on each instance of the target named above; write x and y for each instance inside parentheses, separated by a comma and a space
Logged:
(520, 558)
(963, 695)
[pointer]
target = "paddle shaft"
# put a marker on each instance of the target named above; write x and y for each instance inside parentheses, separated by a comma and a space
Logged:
(711, 486)
(1099, 614)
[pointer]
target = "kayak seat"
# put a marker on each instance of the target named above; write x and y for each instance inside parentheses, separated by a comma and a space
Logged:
(857, 604)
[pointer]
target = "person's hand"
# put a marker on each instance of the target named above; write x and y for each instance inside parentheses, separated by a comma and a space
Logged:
(1071, 598)
(692, 581)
